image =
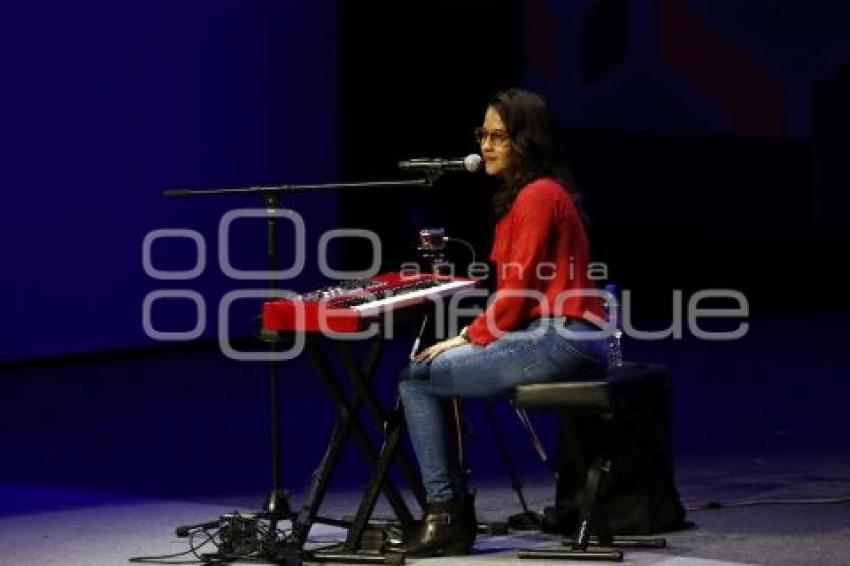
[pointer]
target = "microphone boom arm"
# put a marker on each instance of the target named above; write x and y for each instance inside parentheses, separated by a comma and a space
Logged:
(428, 181)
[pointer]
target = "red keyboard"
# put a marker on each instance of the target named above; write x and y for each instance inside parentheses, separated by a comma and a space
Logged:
(350, 306)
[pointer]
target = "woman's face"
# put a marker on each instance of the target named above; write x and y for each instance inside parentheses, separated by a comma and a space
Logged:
(495, 143)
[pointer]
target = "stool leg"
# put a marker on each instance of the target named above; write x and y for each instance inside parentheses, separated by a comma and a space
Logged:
(593, 519)
(590, 520)
(525, 420)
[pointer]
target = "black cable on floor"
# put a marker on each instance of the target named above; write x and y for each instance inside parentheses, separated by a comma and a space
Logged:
(165, 558)
(752, 502)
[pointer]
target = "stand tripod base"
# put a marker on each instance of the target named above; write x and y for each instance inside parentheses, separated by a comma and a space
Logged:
(621, 541)
(569, 554)
(390, 559)
(608, 551)
(277, 504)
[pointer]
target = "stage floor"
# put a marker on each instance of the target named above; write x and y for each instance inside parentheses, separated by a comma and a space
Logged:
(76, 527)
(104, 456)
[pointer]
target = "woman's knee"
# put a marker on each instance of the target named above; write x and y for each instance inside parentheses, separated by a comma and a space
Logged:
(414, 372)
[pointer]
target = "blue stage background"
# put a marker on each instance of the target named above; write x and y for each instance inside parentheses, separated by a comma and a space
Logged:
(109, 104)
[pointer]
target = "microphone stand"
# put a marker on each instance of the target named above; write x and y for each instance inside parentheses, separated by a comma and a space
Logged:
(276, 506)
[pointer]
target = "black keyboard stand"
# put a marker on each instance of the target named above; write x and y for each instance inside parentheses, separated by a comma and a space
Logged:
(348, 423)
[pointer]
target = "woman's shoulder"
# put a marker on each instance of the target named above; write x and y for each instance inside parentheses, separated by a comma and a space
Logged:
(542, 190)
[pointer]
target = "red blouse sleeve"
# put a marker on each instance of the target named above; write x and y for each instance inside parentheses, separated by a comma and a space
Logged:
(529, 239)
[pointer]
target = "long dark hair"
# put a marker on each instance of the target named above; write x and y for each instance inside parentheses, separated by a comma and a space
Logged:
(535, 149)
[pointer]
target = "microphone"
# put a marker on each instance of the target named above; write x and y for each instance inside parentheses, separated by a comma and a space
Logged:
(471, 163)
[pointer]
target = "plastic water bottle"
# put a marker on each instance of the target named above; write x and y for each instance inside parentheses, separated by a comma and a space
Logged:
(613, 312)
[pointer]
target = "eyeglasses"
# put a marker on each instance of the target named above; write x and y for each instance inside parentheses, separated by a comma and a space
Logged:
(496, 137)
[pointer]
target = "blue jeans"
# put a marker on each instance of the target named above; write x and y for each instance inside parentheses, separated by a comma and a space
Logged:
(551, 349)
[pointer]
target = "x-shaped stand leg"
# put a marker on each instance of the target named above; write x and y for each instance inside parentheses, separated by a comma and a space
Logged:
(347, 423)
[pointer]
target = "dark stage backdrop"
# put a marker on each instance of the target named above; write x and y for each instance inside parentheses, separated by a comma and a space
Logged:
(705, 136)
(109, 103)
(414, 78)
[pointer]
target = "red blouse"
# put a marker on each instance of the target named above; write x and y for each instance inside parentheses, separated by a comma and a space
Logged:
(539, 245)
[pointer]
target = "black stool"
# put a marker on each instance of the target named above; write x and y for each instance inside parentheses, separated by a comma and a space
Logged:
(627, 389)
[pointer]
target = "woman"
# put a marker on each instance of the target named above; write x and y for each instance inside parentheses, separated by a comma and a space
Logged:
(537, 327)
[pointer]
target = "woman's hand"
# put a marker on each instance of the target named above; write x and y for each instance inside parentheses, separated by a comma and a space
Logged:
(432, 352)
